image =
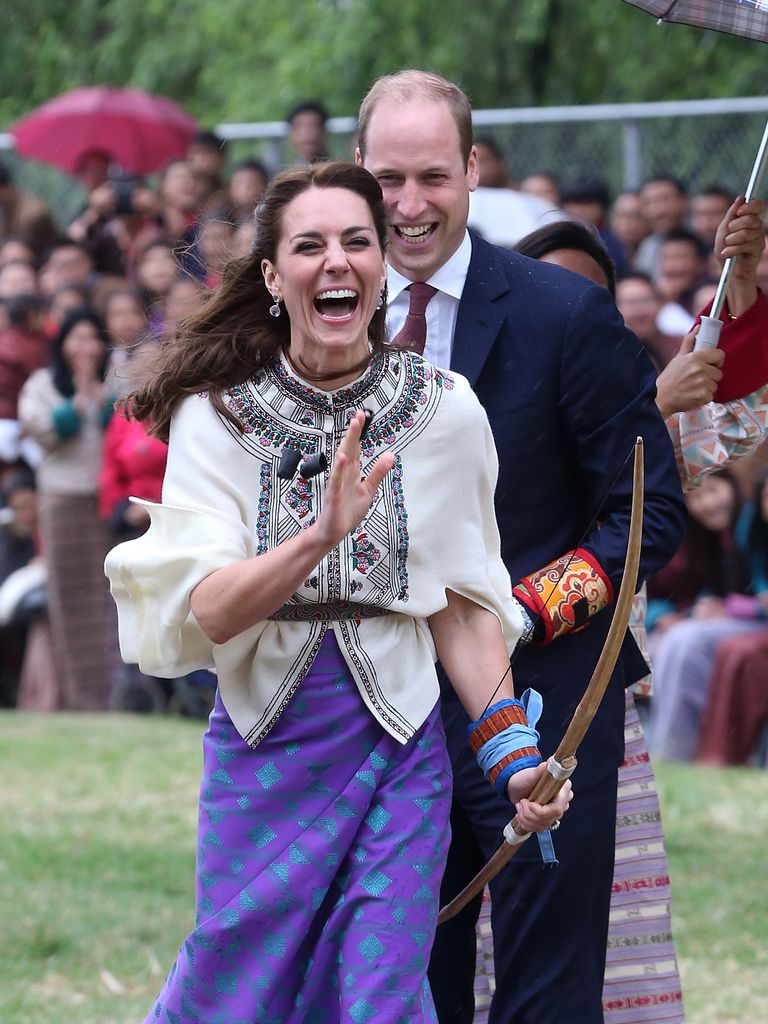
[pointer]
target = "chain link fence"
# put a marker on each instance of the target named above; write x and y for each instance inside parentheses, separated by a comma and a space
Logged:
(702, 142)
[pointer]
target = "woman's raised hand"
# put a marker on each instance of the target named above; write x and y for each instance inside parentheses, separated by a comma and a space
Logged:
(348, 494)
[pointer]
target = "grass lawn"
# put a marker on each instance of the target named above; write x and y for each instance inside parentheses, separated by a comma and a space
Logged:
(97, 831)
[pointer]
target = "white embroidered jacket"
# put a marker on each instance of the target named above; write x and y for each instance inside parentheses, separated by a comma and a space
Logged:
(431, 528)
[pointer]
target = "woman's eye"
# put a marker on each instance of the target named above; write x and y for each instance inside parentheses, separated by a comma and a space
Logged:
(306, 246)
(360, 242)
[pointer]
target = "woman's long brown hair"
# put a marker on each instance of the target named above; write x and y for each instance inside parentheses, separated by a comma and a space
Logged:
(233, 335)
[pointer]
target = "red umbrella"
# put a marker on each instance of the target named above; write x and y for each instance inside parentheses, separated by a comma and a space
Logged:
(747, 18)
(139, 132)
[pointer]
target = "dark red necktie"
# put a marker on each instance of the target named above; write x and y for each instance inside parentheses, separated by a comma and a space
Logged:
(413, 335)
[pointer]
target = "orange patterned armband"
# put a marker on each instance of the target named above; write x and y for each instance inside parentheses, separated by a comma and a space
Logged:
(564, 595)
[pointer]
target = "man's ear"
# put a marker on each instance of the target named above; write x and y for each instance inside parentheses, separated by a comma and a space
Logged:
(358, 156)
(271, 276)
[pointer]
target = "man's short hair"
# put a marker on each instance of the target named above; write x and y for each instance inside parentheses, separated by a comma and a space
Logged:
(307, 107)
(405, 86)
(680, 187)
(689, 237)
(209, 140)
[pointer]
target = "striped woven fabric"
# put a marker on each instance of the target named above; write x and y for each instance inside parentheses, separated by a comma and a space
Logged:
(748, 18)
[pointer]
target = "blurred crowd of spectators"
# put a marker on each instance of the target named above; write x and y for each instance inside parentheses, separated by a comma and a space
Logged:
(83, 305)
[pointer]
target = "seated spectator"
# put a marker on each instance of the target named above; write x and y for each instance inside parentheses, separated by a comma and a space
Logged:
(18, 526)
(65, 409)
(207, 158)
(682, 268)
(665, 206)
(24, 348)
(737, 701)
(67, 263)
(639, 303)
(544, 186)
(25, 216)
(628, 223)
(246, 189)
(306, 133)
(588, 199)
(491, 164)
(690, 607)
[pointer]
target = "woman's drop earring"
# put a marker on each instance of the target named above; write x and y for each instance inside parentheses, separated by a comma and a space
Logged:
(274, 309)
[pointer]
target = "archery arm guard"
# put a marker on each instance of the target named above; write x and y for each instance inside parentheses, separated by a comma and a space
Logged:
(563, 596)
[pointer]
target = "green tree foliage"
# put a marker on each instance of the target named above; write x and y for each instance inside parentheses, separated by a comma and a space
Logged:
(251, 59)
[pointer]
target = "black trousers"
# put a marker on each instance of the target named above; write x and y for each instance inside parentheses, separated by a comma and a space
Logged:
(550, 923)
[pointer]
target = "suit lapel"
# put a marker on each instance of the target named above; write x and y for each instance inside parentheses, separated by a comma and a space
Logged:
(480, 316)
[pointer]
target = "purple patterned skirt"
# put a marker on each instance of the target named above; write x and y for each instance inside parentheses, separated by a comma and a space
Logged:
(319, 862)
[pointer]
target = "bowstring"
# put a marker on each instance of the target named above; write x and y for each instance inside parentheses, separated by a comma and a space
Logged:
(538, 616)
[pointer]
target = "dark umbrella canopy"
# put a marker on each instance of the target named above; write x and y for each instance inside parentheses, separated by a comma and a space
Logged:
(138, 131)
(747, 18)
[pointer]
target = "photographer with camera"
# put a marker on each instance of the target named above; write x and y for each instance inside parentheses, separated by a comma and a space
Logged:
(116, 212)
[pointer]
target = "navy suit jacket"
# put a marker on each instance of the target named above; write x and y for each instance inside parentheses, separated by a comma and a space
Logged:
(567, 389)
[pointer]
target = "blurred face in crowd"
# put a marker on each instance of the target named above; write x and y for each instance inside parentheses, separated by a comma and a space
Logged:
(157, 269)
(713, 503)
(242, 244)
(542, 186)
(185, 297)
(64, 300)
(591, 212)
(639, 304)
(206, 161)
(329, 271)
(491, 170)
(664, 207)
(706, 213)
(180, 189)
(23, 504)
(627, 221)
(215, 243)
(579, 263)
(83, 349)
(15, 251)
(17, 279)
(680, 268)
(247, 188)
(125, 318)
(307, 134)
(414, 152)
(68, 264)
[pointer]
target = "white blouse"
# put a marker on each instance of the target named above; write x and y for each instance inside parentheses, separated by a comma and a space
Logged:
(431, 528)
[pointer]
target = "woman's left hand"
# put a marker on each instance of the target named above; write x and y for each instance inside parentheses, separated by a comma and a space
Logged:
(535, 817)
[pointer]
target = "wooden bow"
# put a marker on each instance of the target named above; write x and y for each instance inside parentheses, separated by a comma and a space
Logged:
(564, 762)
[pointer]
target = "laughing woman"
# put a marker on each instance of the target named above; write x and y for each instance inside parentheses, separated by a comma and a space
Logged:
(327, 527)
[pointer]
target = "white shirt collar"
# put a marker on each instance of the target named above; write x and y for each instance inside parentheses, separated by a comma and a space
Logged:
(448, 279)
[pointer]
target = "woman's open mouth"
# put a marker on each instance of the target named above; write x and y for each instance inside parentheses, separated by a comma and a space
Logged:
(336, 303)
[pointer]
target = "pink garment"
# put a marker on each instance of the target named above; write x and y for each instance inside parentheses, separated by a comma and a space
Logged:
(133, 465)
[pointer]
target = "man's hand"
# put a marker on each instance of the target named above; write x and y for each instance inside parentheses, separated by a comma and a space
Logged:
(690, 379)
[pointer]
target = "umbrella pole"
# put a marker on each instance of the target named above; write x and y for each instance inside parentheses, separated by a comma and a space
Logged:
(709, 332)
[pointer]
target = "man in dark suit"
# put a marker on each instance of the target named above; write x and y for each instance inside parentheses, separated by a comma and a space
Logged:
(567, 389)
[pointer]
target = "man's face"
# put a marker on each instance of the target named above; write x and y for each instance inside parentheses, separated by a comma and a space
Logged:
(413, 150)
(680, 267)
(308, 134)
(706, 213)
(663, 206)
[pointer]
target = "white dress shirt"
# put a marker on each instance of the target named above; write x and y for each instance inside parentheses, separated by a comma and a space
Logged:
(443, 307)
